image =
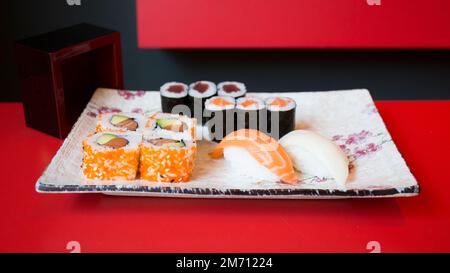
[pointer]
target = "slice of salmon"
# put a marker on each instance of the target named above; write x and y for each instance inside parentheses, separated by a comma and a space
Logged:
(248, 103)
(220, 102)
(279, 102)
(266, 150)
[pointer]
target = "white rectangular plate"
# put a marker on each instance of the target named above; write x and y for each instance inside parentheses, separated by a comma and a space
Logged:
(348, 117)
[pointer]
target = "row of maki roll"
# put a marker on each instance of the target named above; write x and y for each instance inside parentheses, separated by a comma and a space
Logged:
(195, 96)
(275, 116)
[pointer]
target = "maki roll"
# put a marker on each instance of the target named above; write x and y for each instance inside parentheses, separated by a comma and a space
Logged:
(251, 114)
(167, 160)
(173, 94)
(280, 116)
(111, 156)
(219, 112)
(120, 122)
(232, 89)
(172, 126)
(199, 92)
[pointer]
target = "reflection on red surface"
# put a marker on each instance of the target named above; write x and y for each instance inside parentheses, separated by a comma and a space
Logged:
(293, 24)
(50, 222)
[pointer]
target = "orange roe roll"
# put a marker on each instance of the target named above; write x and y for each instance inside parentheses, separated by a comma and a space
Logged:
(111, 156)
(167, 160)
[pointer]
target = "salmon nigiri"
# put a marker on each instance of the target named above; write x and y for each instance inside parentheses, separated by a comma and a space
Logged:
(265, 150)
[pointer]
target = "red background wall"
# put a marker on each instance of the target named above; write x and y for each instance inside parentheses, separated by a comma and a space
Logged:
(293, 24)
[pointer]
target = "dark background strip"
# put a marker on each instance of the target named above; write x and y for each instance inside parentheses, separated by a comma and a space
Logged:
(389, 74)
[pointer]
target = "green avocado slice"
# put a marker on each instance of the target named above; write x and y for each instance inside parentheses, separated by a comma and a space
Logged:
(105, 138)
(116, 119)
(178, 144)
(165, 122)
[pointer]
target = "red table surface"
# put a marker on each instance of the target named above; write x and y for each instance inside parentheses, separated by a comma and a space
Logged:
(34, 222)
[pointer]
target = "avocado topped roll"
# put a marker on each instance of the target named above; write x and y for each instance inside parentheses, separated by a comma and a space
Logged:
(111, 156)
(199, 92)
(171, 126)
(173, 94)
(232, 89)
(167, 160)
(120, 122)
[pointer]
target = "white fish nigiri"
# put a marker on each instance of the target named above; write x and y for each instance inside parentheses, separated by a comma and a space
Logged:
(314, 154)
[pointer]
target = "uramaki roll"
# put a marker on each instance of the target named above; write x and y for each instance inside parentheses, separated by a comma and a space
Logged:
(120, 122)
(111, 156)
(167, 160)
(171, 126)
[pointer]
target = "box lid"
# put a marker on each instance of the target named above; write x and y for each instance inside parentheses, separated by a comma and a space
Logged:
(66, 37)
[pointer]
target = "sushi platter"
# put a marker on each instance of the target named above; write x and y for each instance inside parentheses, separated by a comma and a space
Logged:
(207, 141)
